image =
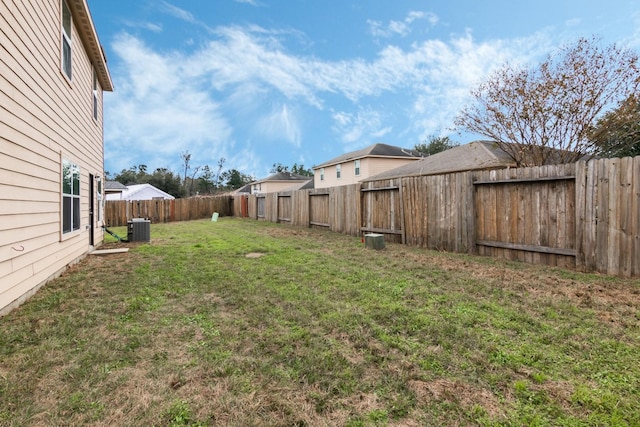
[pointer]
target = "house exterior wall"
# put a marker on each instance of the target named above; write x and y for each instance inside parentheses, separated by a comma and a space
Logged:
(44, 118)
(369, 166)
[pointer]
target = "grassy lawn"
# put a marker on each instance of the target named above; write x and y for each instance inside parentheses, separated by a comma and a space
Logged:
(318, 330)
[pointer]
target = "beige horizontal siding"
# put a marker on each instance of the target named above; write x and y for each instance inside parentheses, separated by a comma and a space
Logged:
(23, 279)
(16, 256)
(369, 166)
(27, 207)
(43, 117)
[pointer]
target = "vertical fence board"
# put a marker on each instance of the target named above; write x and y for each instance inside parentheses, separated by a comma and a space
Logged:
(613, 241)
(253, 206)
(591, 216)
(625, 205)
(581, 214)
(283, 201)
(300, 208)
(634, 254)
(319, 208)
(602, 217)
(469, 196)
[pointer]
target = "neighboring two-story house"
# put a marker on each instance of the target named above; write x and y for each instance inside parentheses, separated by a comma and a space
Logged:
(353, 167)
(52, 76)
(281, 181)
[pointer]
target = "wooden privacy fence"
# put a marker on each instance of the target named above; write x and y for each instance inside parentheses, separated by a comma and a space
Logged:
(584, 215)
(336, 209)
(118, 212)
(527, 214)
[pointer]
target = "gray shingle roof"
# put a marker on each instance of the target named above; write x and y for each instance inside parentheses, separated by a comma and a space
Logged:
(114, 186)
(472, 156)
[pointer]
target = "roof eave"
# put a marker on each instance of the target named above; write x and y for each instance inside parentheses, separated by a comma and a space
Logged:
(89, 36)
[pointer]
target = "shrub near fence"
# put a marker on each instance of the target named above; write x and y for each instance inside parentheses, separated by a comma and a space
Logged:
(118, 212)
(584, 215)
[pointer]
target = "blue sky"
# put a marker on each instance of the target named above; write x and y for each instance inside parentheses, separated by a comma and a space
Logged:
(260, 82)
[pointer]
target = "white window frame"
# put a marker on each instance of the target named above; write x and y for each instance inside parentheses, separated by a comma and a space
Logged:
(66, 48)
(71, 210)
(338, 171)
(322, 174)
(357, 167)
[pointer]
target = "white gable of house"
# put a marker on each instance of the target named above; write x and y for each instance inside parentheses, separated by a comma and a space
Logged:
(140, 192)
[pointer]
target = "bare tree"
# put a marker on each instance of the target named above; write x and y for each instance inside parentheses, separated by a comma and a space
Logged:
(186, 158)
(218, 175)
(193, 178)
(543, 115)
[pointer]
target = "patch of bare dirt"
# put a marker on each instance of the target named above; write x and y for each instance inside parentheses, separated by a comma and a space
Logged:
(560, 393)
(458, 392)
(254, 255)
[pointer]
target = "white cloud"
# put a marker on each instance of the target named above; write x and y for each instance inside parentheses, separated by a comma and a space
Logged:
(182, 14)
(246, 160)
(400, 28)
(156, 28)
(168, 102)
(179, 13)
(156, 110)
(280, 124)
(573, 22)
(253, 56)
(358, 129)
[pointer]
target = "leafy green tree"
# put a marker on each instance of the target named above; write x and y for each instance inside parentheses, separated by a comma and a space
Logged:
(133, 175)
(436, 144)
(296, 168)
(617, 133)
(235, 179)
(206, 181)
(168, 182)
(543, 115)
(279, 167)
(301, 170)
(127, 176)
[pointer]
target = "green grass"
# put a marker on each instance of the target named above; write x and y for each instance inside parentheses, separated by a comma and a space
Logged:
(188, 331)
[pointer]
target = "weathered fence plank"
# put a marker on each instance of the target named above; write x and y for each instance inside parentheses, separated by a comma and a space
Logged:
(284, 207)
(300, 208)
(634, 227)
(319, 208)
